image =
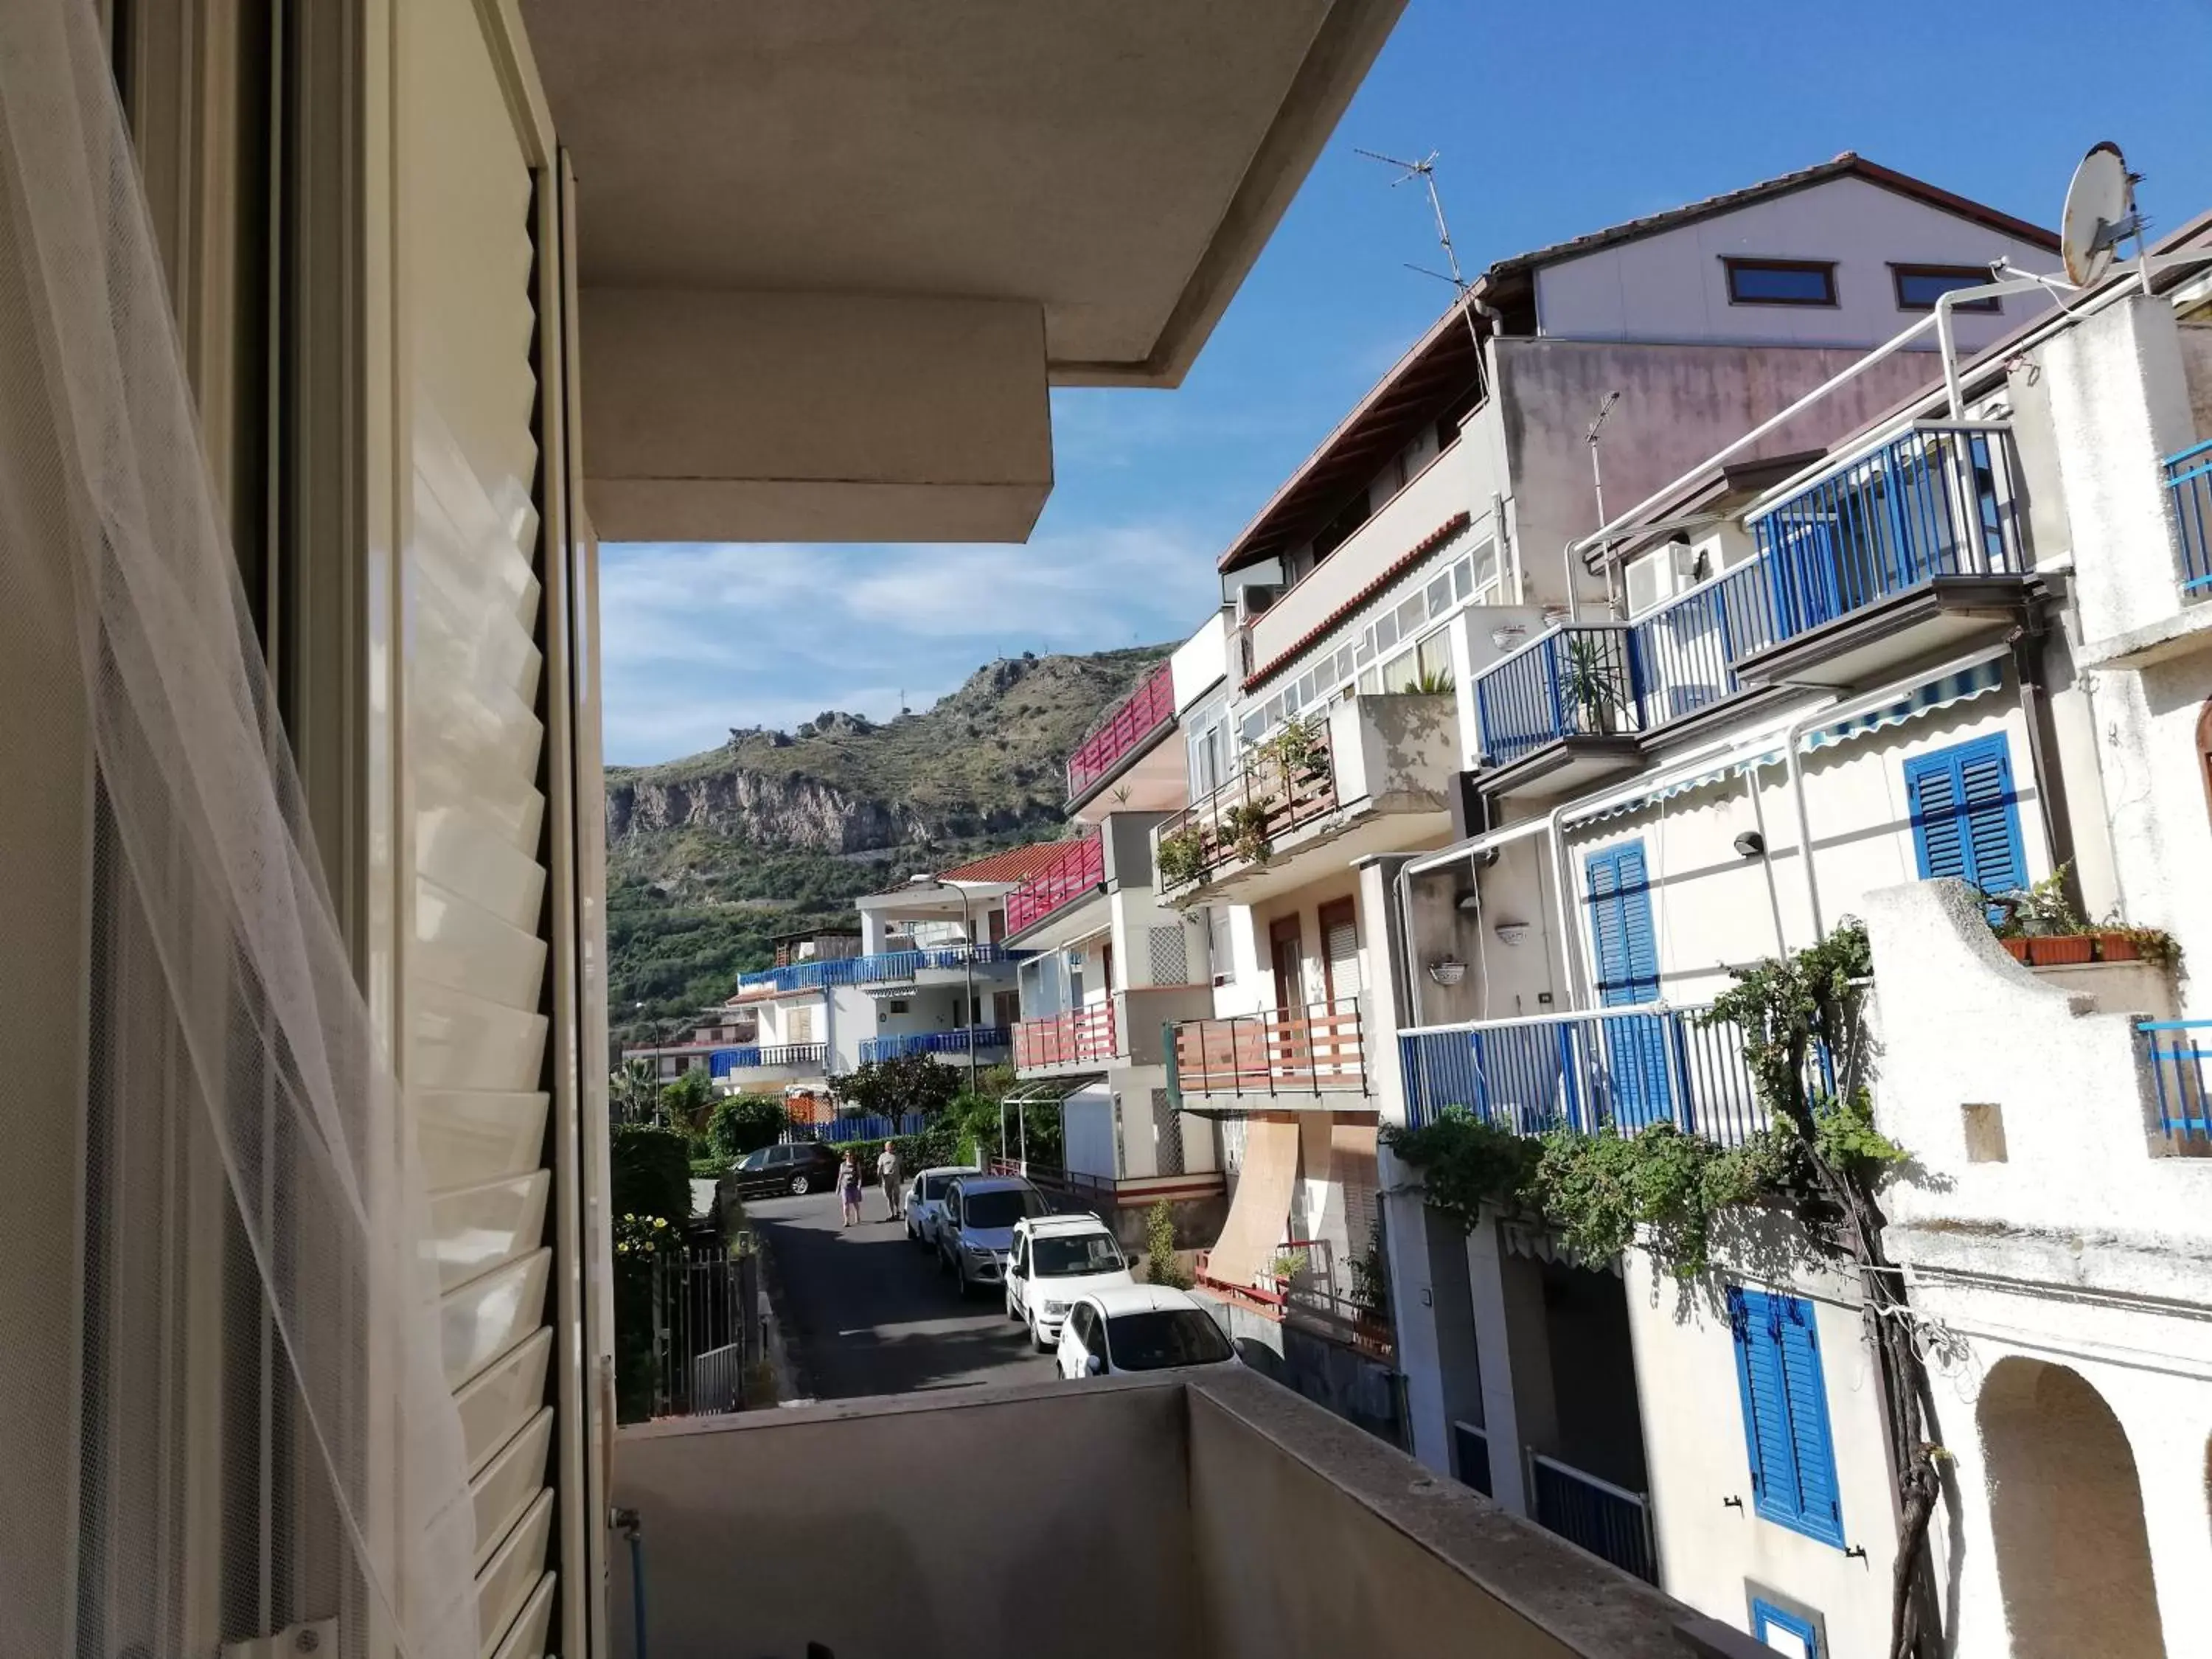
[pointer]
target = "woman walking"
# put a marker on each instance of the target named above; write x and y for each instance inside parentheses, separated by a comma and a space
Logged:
(848, 1188)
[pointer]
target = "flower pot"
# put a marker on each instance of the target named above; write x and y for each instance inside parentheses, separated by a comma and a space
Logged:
(2061, 952)
(2117, 947)
(2015, 948)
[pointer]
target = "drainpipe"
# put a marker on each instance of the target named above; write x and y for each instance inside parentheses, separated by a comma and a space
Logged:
(1563, 880)
(2027, 645)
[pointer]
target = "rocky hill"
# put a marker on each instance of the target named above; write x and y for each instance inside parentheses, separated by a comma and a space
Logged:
(709, 855)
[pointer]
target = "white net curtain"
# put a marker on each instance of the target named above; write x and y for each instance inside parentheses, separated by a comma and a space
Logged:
(221, 1405)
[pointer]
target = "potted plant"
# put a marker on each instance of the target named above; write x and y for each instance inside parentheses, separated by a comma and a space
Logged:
(1244, 826)
(1587, 682)
(2039, 926)
(2119, 942)
(1295, 751)
(1285, 1267)
(1371, 1295)
(1180, 856)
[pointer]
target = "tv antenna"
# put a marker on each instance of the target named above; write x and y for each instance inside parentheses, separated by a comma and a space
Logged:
(1425, 171)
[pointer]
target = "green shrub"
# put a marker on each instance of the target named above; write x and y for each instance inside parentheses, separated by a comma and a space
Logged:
(893, 1088)
(745, 1123)
(649, 1172)
(1161, 1264)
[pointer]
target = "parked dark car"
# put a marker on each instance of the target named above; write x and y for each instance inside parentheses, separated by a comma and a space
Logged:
(804, 1166)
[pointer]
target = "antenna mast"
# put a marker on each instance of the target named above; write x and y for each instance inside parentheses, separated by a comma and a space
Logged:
(1425, 171)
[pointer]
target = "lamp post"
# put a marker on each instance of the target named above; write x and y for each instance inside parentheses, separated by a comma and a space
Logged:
(968, 959)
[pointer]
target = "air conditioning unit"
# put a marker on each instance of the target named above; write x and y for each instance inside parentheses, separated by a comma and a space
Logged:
(1658, 577)
(1254, 598)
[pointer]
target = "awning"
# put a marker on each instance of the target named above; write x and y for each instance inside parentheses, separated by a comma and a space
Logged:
(1051, 1090)
(1941, 693)
(1261, 1207)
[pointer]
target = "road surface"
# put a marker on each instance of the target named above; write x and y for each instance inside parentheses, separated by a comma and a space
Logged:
(865, 1312)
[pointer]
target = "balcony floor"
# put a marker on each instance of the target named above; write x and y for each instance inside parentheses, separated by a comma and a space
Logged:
(1941, 616)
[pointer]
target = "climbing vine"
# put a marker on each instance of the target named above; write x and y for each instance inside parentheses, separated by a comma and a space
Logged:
(1821, 1160)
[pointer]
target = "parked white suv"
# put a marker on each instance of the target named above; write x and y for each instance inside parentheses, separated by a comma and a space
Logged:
(925, 1200)
(1140, 1328)
(1056, 1258)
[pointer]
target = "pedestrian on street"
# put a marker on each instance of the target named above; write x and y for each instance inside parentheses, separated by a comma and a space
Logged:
(848, 1188)
(888, 1171)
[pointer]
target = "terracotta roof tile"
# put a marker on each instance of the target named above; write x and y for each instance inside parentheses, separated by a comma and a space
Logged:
(1018, 863)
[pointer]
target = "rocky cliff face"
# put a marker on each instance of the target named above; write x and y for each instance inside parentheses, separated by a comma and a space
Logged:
(740, 805)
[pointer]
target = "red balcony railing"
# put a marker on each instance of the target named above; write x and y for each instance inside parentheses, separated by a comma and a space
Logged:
(1071, 875)
(1243, 818)
(1086, 1035)
(1136, 718)
(1289, 1051)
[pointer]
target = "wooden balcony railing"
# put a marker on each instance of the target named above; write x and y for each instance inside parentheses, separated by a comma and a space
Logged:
(1134, 719)
(1085, 1035)
(1245, 816)
(1283, 1051)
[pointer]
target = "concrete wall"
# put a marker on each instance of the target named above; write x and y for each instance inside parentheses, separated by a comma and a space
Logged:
(1672, 286)
(1395, 752)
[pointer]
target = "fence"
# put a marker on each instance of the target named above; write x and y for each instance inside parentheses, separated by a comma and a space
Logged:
(1085, 1036)
(1471, 1456)
(838, 1131)
(884, 965)
(1073, 875)
(1297, 1050)
(1245, 816)
(2188, 483)
(1137, 716)
(2177, 1081)
(781, 1056)
(1610, 1522)
(1933, 501)
(707, 1332)
(981, 1038)
(1628, 1069)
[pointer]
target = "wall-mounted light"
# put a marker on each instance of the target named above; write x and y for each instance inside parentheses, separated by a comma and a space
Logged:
(1448, 970)
(1507, 635)
(1469, 902)
(1750, 844)
(1512, 932)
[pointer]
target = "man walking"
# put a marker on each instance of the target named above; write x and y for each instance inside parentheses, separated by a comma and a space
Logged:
(887, 1170)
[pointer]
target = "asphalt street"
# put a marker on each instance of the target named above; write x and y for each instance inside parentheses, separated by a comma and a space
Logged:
(865, 1312)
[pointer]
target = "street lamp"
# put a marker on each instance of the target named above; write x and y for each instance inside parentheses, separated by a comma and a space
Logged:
(926, 882)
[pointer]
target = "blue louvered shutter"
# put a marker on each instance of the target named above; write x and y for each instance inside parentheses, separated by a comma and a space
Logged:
(1819, 1508)
(1785, 1412)
(1621, 933)
(1965, 817)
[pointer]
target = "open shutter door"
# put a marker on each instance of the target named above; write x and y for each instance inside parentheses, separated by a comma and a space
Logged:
(1765, 1405)
(473, 958)
(1938, 836)
(1992, 818)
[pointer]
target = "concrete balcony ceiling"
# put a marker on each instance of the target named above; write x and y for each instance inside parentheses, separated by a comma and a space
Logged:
(833, 254)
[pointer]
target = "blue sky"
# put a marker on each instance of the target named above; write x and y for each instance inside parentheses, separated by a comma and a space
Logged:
(1549, 121)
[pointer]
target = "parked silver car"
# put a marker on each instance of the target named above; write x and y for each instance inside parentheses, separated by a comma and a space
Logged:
(925, 1200)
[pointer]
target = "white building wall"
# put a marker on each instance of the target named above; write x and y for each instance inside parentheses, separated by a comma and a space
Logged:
(1672, 286)
(1711, 1552)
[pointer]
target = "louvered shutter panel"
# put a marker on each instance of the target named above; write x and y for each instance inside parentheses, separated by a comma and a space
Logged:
(1992, 817)
(1608, 939)
(1766, 1404)
(1639, 937)
(1621, 932)
(1341, 943)
(1819, 1512)
(1938, 837)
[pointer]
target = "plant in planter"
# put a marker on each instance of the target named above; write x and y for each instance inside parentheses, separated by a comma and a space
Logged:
(1586, 680)
(2117, 942)
(1436, 682)
(1244, 827)
(1287, 1267)
(1180, 856)
(1294, 751)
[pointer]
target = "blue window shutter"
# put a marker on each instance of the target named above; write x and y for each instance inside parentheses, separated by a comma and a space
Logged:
(1965, 816)
(1621, 932)
(1643, 942)
(1765, 1408)
(1785, 1412)
(1819, 1506)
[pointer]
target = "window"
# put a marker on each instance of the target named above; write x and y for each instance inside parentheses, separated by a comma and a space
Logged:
(1780, 282)
(1398, 673)
(1785, 1412)
(1918, 287)
(1966, 818)
(1785, 1630)
(1436, 659)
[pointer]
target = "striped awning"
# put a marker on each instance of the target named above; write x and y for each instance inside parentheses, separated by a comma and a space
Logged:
(1941, 693)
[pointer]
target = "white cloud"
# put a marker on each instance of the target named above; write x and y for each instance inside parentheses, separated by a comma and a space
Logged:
(697, 638)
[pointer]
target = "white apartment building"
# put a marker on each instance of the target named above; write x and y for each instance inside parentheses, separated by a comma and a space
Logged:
(1960, 646)
(1424, 542)
(1107, 969)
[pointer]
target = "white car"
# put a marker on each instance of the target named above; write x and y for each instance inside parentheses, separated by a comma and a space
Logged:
(925, 1201)
(1056, 1258)
(1140, 1328)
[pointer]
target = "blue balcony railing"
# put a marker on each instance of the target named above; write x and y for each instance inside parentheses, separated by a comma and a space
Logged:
(2176, 1052)
(1934, 502)
(839, 1130)
(2189, 482)
(1628, 1068)
(1610, 1522)
(775, 1056)
(875, 969)
(984, 1039)
(1574, 681)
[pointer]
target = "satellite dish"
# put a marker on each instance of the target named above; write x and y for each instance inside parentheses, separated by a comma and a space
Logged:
(2101, 212)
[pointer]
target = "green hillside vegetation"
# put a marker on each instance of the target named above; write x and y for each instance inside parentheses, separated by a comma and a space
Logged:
(710, 855)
